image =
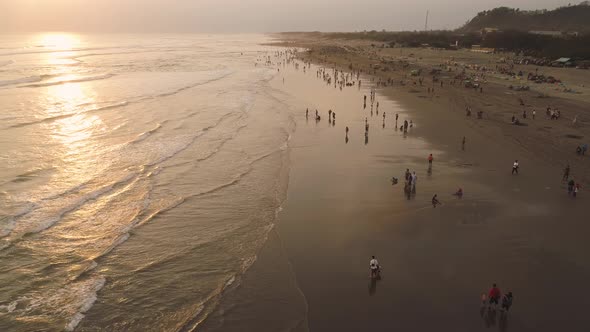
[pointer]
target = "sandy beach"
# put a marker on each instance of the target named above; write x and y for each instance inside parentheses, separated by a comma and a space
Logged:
(522, 231)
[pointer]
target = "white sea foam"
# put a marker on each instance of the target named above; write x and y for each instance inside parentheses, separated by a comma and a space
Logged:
(9, 307)
(146, 134)
(51, 210)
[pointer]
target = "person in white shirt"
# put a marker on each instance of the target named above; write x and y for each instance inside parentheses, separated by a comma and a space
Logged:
(515, 167)
(374, 266)
(414, 179)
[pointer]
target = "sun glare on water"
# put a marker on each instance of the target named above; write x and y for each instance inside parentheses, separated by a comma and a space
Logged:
(58, 41)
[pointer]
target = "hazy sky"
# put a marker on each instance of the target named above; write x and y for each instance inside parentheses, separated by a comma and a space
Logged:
(244, 15)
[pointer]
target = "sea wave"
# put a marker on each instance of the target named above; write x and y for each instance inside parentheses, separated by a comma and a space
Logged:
(6, 63)
(86, 297)
(189, 140)
(67, 115)
(79, 79)
(52, 210)
(29, 79)
(148, 133)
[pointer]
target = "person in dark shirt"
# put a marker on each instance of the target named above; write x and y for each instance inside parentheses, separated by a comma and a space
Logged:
(507, 301)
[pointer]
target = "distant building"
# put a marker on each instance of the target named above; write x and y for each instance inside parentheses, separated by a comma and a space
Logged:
(547, 33)
(556, 34)
(489, 30)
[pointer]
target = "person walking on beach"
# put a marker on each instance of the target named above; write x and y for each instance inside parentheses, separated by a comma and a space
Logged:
(507, 301)
(463, 144)
(494, 295)
(329, 115)
(396, 117)
(374, 267)
(435, 201)
(515, 167)
(407, 174)
(534, 114)
(414, 180)
(576, 189)
(430, 159)
(570, 186)
(566, 173)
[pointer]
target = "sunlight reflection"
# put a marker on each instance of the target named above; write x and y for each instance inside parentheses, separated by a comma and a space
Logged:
(66, 98)
(58, 41)
(63, 44)
(75, 129)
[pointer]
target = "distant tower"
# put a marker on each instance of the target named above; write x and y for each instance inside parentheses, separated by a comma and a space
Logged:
(426, 23)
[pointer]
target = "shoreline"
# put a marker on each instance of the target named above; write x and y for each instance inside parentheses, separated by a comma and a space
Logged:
(520, 232)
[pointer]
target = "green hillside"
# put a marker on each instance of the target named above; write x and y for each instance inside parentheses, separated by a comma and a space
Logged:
(569, 18)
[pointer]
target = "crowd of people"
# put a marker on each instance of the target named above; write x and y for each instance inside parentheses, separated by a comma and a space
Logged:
(342, 79)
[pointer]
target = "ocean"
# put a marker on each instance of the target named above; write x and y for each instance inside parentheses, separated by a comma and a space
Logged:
(139, 176)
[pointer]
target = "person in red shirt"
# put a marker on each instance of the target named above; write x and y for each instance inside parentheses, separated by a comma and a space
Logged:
(494, 295)
(430, 158)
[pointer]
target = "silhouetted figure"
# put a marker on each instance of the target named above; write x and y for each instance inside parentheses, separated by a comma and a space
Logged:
(566, 173)
(435, 201)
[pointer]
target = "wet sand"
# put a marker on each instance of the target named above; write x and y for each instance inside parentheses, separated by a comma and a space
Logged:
(522, 232)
